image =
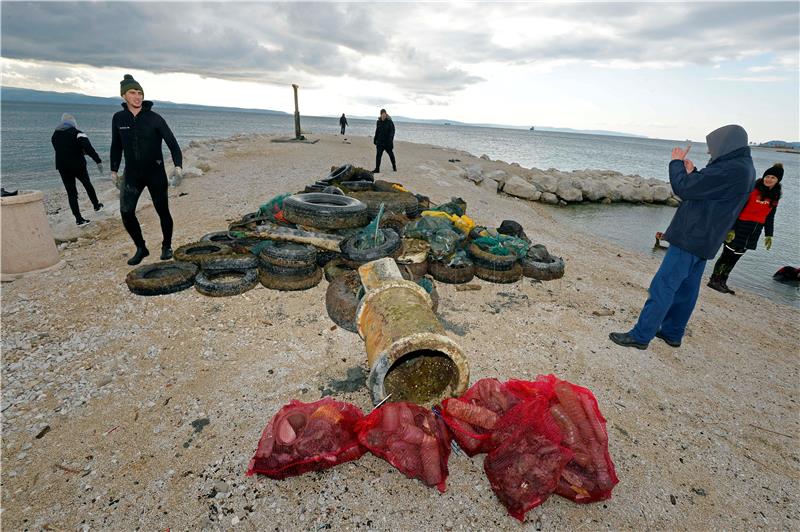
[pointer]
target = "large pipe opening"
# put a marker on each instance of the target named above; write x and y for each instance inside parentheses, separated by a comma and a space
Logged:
(421, 376)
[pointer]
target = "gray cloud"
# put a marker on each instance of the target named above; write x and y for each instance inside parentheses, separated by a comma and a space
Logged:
(278, 43)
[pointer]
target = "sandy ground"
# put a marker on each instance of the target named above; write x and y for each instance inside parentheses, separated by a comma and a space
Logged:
(122, 412)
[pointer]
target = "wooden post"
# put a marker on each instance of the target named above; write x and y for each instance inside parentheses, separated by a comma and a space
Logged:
(297, 133)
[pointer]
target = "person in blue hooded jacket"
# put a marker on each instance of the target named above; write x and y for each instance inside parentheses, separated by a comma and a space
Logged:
(712, 198)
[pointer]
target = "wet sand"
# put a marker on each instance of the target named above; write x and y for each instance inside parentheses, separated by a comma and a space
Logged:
(121, 411)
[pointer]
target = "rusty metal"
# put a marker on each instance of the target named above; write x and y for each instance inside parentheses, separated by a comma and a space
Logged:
(409, 355)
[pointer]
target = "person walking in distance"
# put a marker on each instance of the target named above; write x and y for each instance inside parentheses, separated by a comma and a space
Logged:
(343, 122)
(711, 200)
(758, 213)
(137, 132)
(384, 140)
(71, 145)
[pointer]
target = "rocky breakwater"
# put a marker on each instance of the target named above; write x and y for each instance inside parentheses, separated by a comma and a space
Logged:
(555, 187)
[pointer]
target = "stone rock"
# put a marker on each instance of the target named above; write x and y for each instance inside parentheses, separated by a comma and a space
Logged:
(593, 190)
(475, 173)
(568, 192)
(516, 186)
(661, 193)
(549, 197)
(545, 182)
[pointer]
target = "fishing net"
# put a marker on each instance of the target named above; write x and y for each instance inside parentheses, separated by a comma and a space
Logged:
(411, 438)
(473, 417)
(463, 223)
(439, 232)
(273, 209)
(499, 244)
(370, 236)
(304, 437)
(456, 206)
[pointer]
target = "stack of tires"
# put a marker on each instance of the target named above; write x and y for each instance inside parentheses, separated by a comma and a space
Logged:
(222, 272)
(288, 266)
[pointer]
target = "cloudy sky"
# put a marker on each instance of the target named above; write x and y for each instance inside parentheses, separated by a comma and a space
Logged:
(669, 70)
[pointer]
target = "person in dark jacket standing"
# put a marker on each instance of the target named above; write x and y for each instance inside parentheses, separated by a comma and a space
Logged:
(71, 145)
(711, 200)
(137, 132)
(758, 213)
(384, 140)
(343, 122)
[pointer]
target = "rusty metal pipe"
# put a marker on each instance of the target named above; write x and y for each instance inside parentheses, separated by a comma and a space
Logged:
(409, 355)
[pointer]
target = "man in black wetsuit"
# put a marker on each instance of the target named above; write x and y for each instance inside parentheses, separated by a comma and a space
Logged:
(137, 132)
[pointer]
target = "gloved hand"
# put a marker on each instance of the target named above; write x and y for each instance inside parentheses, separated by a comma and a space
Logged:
(768, 242)
(100, 167)
(117, 180)
(729, 238)
(177, 172)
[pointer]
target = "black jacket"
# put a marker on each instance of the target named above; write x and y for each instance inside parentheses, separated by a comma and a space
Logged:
(342, 121)
(71, 145)
(139, 137)
(384, 134)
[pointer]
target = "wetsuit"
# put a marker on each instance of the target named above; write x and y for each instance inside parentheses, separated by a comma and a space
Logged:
(71, 145)
(139, 138)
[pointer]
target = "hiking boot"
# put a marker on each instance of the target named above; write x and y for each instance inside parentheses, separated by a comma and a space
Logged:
(671, 343)
(376, 171)
(166, 253)
(715, 284)
(724, 284)
(83, 222)
(138, 256)
(98, 207)
(626, 340)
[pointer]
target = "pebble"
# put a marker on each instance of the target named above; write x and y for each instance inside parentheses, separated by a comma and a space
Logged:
(221, 487)
(235, 520)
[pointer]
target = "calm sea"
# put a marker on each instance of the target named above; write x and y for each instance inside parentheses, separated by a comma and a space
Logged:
(26, 161)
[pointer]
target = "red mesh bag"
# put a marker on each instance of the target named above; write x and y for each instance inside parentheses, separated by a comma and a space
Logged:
(526, 466)
(473, 416)
(409, 437)
(304, 437)
(590, 475)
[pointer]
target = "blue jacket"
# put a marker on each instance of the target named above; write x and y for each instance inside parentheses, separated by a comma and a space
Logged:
(712, 199)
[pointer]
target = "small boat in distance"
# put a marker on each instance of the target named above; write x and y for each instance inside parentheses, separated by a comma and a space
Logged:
(532, 129)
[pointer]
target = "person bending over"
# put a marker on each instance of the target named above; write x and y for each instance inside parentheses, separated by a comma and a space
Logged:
(71, 145)
(137, 132)
(384, 140)
(711, 200)
(758, 213)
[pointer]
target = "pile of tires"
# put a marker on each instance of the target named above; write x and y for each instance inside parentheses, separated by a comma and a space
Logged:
(539, 264)
(288, 266)
(494, 268)
(354, 255)
(393, 201)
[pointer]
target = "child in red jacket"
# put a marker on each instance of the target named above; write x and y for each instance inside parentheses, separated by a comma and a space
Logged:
(758, 213)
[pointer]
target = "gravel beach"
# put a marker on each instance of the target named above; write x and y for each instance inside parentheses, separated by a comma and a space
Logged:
(122, 412)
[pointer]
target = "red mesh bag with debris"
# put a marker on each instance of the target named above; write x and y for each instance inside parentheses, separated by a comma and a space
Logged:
(590, 475)
(526, 466)
(304, 437)
(409, 437)
(473, 416)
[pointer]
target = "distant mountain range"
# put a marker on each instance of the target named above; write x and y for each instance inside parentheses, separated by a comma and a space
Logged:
(780, 144)
(16, 94)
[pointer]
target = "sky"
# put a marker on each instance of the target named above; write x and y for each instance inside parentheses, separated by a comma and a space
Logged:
(671, 70)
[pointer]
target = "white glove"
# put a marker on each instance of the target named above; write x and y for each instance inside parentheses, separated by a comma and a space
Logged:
(176, 177)
(100, 168)
(117, 180)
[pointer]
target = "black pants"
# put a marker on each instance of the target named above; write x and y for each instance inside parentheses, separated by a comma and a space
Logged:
(129, 197)
(727, 261)
(343, 130)
(68, 177)
(379, 154)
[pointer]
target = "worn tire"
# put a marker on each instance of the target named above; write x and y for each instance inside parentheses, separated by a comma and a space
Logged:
(238, 261)
(390, 248)
(451, 275)
(341, 300)
(324, 257)
(335, 268)
(341, 173)
(491, 261)
(325, 211)
(552, 268)
(287, 283)
(161, 278)
(289, 254)
(356, 186)
(414, 270)
(198, 252)
(401, 202)
(225, 283)
(288, 271)
(245, 245)
(396, 221)
(218, 237)
(499, 276)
